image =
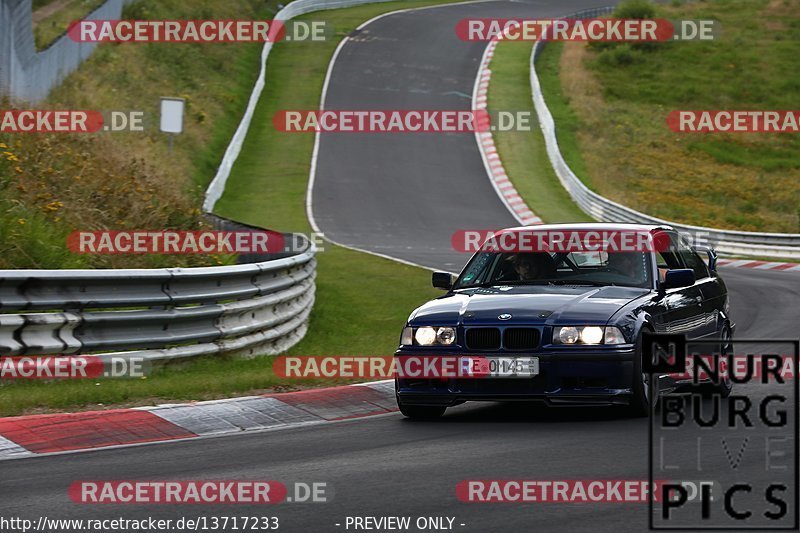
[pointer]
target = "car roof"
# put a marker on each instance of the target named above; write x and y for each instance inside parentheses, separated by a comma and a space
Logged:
(590, 226)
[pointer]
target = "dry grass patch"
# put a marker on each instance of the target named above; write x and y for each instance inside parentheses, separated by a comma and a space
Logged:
(620, 98)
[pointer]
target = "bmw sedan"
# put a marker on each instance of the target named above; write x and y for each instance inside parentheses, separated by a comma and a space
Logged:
(562, 320)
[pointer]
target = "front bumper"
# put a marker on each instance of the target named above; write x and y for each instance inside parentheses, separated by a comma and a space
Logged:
(602, 377)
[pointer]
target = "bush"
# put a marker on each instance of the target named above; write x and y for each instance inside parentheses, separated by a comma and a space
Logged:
(620, 56)
(630, 9)
(635, 9)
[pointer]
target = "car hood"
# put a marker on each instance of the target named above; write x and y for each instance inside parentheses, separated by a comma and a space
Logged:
(530, 304)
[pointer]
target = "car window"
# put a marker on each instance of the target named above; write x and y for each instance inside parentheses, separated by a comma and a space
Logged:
(692, 260)
(586, 259)
(628, 269)
(667, 257)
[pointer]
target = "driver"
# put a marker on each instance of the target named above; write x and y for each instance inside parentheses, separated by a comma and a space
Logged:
(629, 264)
(532, 266)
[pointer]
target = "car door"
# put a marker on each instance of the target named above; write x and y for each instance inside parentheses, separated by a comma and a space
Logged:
(710, 290)
(683, 306)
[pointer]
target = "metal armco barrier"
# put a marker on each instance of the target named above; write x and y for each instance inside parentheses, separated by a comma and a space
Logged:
(28, 75)
(742, 243)
(158, 314)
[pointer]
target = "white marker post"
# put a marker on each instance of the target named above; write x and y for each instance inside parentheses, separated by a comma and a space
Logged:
(172, 116)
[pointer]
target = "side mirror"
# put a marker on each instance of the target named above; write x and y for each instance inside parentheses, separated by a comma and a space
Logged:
(678, 277)
(712, 257)
(442, 280)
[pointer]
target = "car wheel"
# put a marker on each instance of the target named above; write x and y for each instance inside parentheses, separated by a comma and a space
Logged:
(424, 412)
(640, 388)
(725, 386)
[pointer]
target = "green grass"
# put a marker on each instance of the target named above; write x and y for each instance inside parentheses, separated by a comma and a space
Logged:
(267, 185)
(51, 185)
(50, 27)
(567, 122)
(523, 153)
(362, 301)
(610, 105)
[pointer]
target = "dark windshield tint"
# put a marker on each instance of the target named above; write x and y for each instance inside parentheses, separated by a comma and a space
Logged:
(629, 269)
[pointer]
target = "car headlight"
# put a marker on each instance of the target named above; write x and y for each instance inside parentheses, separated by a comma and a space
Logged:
(407, 337)
(425, 336)
(587, 335)
(592, 335)
(614, 336)
(446, 336)
(567, 335)
(428, 336)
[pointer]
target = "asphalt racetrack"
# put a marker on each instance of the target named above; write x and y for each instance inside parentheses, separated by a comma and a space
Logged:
(403, 196)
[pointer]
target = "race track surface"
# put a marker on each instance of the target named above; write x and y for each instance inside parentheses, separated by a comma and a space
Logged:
(404, 196)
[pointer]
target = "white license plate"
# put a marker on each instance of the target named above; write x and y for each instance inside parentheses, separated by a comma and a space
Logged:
(504, 367)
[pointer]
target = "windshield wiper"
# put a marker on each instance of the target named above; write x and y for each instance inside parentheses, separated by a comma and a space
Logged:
(504, 283)
(580, 282)
(484, 285)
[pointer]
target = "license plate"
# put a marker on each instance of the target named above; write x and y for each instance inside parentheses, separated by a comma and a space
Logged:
(504, 367)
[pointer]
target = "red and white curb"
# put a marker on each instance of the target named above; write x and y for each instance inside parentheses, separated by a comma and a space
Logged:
(758, 265)
(494, 167)
(26, 436)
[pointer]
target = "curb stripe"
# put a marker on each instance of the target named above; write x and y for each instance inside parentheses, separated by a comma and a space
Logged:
(25, 436)
(759, 265)
(12, 449)
(331, 404)
(77, 431)
(492, 162)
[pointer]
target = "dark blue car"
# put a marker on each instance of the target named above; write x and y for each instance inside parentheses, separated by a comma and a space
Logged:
(563, 326)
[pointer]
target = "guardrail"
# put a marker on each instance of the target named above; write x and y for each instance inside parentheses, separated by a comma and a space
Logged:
(27, 74)
(744, 243)
(298, 7)
(157, 315)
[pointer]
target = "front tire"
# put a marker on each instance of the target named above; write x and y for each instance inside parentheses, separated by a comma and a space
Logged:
(725, 386)
(640, 387)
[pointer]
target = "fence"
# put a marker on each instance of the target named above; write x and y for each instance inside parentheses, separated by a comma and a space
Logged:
(28, 75)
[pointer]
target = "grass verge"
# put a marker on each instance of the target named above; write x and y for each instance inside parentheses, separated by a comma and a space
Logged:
(610, 105)
(523, 153)
(51, 19)
(53, 184)
(362, 300)
(351, 317)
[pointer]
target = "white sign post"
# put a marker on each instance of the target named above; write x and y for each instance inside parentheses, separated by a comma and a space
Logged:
(172, 116)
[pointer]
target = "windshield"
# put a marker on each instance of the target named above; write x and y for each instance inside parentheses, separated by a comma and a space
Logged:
(628, 269)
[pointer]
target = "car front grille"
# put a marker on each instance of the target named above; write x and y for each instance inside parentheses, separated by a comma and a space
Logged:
(483, 339)
(514, 339)
(520, 338)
